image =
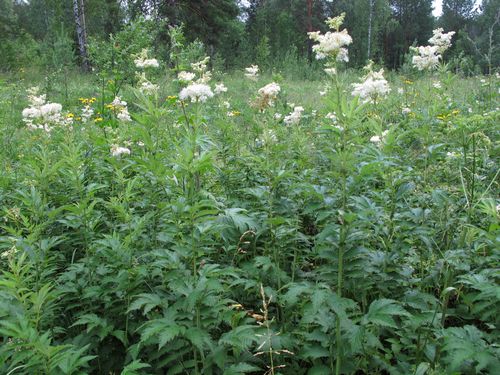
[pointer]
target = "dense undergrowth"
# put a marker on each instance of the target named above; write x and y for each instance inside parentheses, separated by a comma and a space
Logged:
(213, 238)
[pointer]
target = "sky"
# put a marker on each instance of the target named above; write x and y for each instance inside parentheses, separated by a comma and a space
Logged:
(438, 7)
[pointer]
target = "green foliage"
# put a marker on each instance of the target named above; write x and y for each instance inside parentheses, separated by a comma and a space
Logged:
(114, 55)
(214, 237)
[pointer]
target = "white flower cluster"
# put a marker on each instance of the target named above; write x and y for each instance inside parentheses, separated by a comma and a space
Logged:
(142, 61)
(269, 93)
(428, 56)
(121, 109)
(252, 72)
(196, 92)
(87, 113)
(145, 86)
(41, 114)
(379, 139)
(200, 68)
(331, 71)
(294, 117)
(148, 88)
(332, 43)
(185, 76)
(441, 40)
(220, 88)
(118, 150)
(373, 87)
(271, 89)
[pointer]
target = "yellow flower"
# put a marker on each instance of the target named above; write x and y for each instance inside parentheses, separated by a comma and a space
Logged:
(408, 82)
(443, 117)
(455, 112)
(70, 115)
(171, 97)
(78, 119)
(98, 119)
(110, 106)
(236, 113)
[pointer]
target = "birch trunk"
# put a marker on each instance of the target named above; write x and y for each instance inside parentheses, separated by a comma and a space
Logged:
(309, 28)
(370, 20)
(81, 32)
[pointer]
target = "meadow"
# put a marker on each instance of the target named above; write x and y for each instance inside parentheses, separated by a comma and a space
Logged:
(297, 229)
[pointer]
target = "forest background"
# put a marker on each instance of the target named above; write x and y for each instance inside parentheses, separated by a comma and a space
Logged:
(236, 33)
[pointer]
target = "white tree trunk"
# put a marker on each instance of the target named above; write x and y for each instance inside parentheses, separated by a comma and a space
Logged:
(370, 21)
(81, 32)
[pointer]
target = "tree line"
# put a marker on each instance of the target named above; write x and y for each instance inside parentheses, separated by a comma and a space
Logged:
(239, 32)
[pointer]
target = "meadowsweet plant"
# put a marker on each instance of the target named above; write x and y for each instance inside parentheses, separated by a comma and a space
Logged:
(185, 76)
(293, 118)
(142, 61)
(119, 107)
(429, 57)
(252, 72)
(42, 114)
(332, 44)
(374, 86)
(267, 95)
(196, 92)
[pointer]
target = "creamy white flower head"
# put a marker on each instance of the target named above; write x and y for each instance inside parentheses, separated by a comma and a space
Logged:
(186, 76)
(271, 89)
(41, 114)
(268, 94)
(331, 71)
(278, 116)
(120, 108)
(50, 109)
(118, 150)
(220, 88)
(294, 117)
(149, 88)
(200, 66)
(379, 139)
(31, 112)
(87, 113)
(427, 58)
(436, 85)
(252, 72)
(332, 44)
(401, 91)
(406, 111)
(374, 86)
(142, 61)
(441, 40)
(123, 115)
(118, 102)
(205, 77)
(196, 92)
(331, 116)
(145, 86)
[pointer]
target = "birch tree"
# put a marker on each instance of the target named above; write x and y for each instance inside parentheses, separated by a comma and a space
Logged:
(81, 32)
